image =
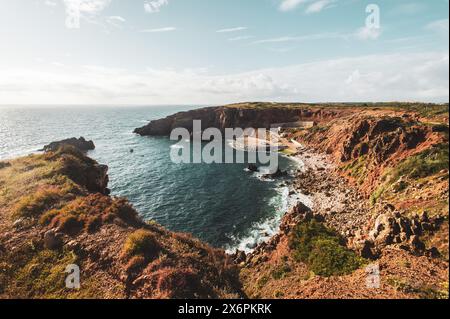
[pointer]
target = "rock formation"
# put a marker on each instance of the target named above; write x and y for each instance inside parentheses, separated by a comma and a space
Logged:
(237, 116)
(80, 144)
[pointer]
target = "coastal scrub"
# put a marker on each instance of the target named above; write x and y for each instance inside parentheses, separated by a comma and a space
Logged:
(322, 250)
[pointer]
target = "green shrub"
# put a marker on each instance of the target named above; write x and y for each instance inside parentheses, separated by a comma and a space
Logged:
(69, 224)
(322, 250)
(422, 291)
(328, 258)
(304, 236)
(141, 243)
(357, 168)
(262, 282)
(281, 272)
(429, 162)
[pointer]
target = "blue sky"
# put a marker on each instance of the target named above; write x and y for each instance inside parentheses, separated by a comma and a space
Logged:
(221, 51)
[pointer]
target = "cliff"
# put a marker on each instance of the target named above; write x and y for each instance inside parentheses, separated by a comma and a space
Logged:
(262, 115)
(55, 211)
(241, 115)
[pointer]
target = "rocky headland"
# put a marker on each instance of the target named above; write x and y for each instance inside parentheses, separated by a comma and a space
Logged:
(55, 211)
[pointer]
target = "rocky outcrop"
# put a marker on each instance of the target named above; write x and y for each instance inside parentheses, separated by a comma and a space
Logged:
(277, 174)
(4, 164)
(97, 179)
(79, 143)
(381, 138)
(393, 228)
(237, 116)
(83, 170)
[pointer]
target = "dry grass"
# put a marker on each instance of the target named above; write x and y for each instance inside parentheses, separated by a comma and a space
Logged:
(56, 191)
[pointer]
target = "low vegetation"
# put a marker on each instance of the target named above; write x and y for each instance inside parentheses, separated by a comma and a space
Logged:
(141, 243)
(322, 250)
(89, 213)
(423, 165)
(426, 110)
(357, 169)
(54, 211)
(423, 292)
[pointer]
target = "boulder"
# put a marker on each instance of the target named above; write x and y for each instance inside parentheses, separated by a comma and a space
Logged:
(383, 232)
(368, 250)
(52, 240)
(417, 244)
(4, 165)
(239, 257)
(433, 252)
(279, 173)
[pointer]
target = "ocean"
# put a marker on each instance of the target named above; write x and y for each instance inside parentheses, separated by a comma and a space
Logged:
(222, 204)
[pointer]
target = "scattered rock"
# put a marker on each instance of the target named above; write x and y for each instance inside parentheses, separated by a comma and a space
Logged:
(18, 223)
(73, 245)
(433, 252)
(239, 257)
(279, 173)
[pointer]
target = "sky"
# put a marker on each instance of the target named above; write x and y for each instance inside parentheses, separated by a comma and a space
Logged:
(144, 52)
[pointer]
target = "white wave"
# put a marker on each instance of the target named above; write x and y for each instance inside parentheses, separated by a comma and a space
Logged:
(264, 230)
(177, 146)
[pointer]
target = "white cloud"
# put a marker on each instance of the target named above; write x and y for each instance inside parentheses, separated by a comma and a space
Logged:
(313, 6)
(364, 33)
(408, 8)
(439, 26)
(396, 77)
(240, 38)
(50, 3)
(318, 6)
(117, 18)
(77, 9)
(116, 21)
(154, 6)
(157, 30)
(309, 37)
(232, 30)
(287, 5)
(368, 33)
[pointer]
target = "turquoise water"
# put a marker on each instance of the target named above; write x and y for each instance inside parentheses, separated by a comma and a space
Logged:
(219, 203)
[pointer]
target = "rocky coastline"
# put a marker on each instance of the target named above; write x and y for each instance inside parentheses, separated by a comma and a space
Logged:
(376, 180)
(347, 158)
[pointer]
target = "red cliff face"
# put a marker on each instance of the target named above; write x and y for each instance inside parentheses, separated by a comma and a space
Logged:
(234, 117)
(373, 144)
